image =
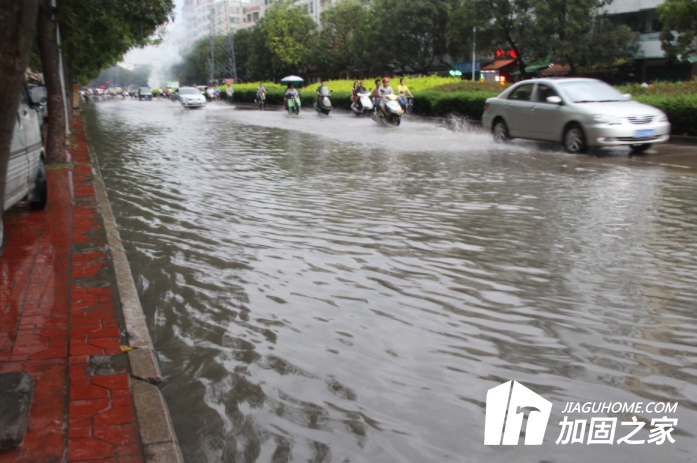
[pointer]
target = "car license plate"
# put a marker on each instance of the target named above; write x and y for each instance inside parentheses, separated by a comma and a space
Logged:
(643, 133)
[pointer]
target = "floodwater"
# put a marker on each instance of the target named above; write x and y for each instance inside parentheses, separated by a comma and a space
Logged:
(324, 289)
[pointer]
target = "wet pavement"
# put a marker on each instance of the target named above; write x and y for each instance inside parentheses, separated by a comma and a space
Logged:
(59, 313)
(323, 289)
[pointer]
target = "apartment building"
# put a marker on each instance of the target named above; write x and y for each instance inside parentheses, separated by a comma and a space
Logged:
(650, 59)
(220, 17)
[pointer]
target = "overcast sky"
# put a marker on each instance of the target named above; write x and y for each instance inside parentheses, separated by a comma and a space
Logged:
(148, 54)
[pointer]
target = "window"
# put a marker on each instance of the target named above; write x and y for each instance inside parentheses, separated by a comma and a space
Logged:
(543, 92)
(521, 93)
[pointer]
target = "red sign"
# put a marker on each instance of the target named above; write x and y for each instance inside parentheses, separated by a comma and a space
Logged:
(506, 54)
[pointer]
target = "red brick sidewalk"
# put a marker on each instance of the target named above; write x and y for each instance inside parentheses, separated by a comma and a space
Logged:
(58, 308)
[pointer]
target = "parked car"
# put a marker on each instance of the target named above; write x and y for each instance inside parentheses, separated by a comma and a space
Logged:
(579, 113)
(191, 97)
(144, 93)
(26, 174)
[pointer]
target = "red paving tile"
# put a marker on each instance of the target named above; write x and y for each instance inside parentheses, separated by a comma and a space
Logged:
(51, 321)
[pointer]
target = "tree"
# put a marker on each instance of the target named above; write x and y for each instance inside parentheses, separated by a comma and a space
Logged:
(500, 24)
(574, 33)
(578, 33)
(678, 16)
(17, 25)
(410, 33)
(342, 45)
(287, 32)
(96, 35)
(47, 35)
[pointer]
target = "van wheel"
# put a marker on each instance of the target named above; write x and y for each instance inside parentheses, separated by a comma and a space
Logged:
(39, 197)
(500, 132)
(574, 139)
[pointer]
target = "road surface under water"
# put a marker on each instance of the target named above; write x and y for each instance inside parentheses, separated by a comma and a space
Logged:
(324, 289)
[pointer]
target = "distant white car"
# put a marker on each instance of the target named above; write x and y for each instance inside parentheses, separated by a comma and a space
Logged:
(576, 112)
(191, 97)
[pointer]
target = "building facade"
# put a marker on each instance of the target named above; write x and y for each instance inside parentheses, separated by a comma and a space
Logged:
(650, 60)
(204, 17)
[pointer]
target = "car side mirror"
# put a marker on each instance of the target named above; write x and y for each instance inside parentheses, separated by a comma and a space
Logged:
(554, 99)
(627, 96)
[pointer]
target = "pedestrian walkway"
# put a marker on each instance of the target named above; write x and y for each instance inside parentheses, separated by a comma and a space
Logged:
(60, 321)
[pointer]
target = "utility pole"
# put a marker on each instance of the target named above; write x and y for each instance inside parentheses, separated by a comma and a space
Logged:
(474, 46)
(219, 24)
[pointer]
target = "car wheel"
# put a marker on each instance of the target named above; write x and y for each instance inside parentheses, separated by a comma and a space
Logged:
(39, 197)
(574, 139)
(640, 147)
(500, 132)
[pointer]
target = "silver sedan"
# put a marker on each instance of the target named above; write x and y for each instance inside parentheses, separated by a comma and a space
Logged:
(576, 112)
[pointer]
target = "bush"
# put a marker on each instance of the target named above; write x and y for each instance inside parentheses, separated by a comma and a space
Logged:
(680, 109)
(441, 96)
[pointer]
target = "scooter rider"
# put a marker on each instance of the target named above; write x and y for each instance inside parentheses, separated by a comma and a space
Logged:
(384, 91)
(376, 94)
(322, 90)
(290, 93)
(261, 91)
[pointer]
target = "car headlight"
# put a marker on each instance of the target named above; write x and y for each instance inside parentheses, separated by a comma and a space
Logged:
(662, 118)
(607, 119)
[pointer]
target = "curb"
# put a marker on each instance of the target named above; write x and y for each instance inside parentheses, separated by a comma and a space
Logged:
(157, 433)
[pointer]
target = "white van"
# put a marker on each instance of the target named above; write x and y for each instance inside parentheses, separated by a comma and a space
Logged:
(26, 174)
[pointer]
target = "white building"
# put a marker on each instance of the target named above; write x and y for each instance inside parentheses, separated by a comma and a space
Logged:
(220, 17)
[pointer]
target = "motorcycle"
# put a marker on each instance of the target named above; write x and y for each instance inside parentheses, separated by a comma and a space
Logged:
(393, 111)
(260, 100)
(323, 105)
(294, 104)
(363, 104)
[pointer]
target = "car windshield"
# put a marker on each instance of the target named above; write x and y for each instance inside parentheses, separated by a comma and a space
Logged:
(144, 89)
(188, 91)
(584, 91)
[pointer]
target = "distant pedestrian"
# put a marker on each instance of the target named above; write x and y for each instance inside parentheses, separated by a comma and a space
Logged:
(229, 91)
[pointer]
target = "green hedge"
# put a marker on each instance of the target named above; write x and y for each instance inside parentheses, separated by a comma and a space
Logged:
(678, 101)
(680, 109)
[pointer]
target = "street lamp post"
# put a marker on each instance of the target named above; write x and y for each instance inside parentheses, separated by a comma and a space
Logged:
(474, 45)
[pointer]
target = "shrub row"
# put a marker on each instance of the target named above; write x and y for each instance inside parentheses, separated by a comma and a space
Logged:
(435, 98)
(680, 109)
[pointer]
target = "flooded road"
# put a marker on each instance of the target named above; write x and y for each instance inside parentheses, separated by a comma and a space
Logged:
(324, 289)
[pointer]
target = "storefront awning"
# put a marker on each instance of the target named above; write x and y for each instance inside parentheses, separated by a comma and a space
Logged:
(556, 70)
(536, 66)
(498, 64)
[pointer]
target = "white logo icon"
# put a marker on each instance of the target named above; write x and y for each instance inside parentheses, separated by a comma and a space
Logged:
(521, 400)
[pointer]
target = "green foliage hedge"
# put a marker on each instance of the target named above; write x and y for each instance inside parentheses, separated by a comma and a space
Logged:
(440, 97)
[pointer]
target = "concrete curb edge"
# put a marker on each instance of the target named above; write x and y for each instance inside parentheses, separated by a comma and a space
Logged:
(157, 433)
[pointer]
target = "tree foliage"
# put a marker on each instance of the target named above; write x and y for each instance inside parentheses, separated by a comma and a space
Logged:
(96, 34)
(287, 33)
(121, 77)
(574, 33)
(410, 33)
(342, 45)
(679, 16)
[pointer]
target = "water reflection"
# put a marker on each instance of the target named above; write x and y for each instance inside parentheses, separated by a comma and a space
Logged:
(326, 290)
